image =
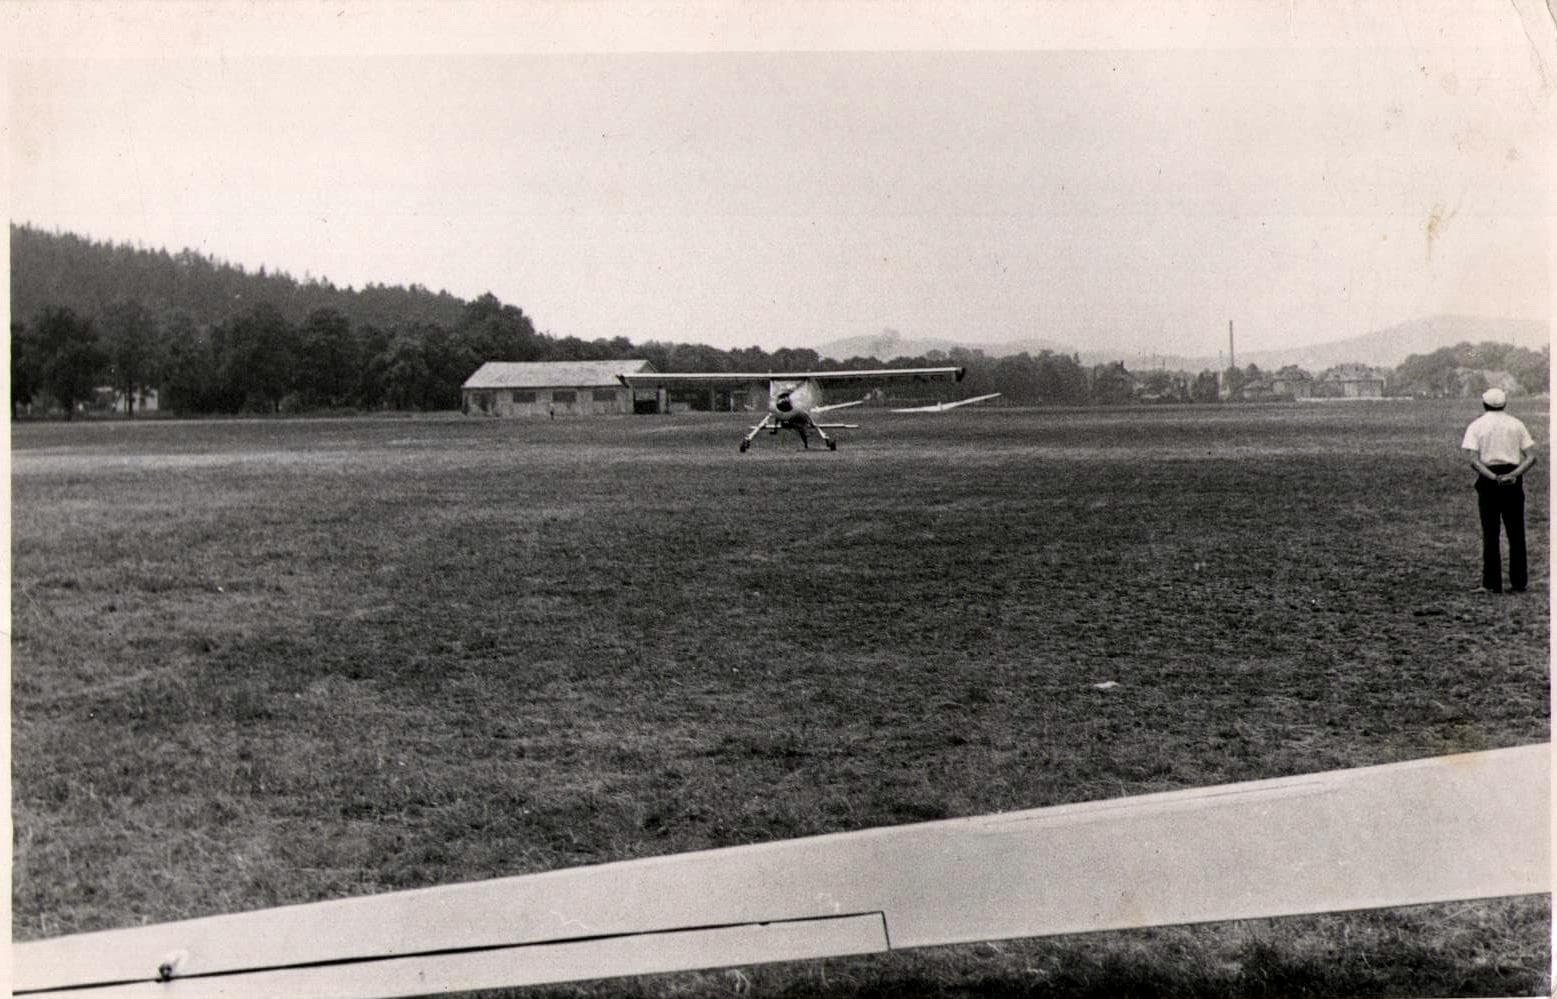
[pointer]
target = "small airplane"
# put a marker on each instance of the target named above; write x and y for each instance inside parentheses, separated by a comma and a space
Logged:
(795, 399)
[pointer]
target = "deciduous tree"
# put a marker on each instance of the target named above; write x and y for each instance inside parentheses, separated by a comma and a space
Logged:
(257, 356)
(492, 331)
(1112, 385)
(24, 367)
(70, 356)
(134, 348)
(190, 380)
(330, 359)
(405, 373)
(1061, 380)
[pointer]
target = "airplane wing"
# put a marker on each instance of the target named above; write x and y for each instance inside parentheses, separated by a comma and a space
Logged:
(645, 379)
(941, 407)
(837, 405)
(883, 374)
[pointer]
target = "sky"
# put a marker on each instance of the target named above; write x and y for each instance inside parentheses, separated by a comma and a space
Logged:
(790, 174)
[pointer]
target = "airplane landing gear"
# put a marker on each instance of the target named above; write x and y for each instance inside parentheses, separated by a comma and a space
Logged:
(759, 428)
(832, 445)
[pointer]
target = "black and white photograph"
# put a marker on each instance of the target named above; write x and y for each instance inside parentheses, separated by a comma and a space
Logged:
(779, 499)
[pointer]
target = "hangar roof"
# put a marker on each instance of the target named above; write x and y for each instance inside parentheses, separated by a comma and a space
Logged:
(553, 374)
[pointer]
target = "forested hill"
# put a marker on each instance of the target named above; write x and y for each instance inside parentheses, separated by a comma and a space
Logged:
(211, 337)
(65, 270)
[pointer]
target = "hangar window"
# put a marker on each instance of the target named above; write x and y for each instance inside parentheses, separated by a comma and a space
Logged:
(524, 396)
(605, 395)
(564, 395)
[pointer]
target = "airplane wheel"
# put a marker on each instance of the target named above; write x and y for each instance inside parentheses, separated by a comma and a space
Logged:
(744, 446)
(832, 445)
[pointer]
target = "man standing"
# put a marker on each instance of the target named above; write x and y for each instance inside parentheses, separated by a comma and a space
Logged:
(1502, 450)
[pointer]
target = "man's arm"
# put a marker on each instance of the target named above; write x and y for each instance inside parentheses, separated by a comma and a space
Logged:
(1526, 459)
(1481, 466)
(1471, 446)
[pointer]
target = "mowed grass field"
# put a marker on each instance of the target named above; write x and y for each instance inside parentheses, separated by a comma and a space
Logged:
(265, 662)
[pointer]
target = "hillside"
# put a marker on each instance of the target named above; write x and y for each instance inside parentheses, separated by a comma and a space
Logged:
(63, 269)
(889, 343)
(1385, 348)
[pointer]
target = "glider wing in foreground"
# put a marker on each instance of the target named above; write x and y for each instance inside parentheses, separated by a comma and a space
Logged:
(1435, 830)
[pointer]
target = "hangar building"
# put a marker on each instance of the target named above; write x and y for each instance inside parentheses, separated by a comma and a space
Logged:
(544, 388)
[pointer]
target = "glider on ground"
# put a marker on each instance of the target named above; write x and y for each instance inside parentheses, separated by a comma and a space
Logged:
(795, 399)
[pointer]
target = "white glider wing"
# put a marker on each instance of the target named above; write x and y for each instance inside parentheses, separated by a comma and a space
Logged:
(1435, 830)
(837, 405)
(941, 407)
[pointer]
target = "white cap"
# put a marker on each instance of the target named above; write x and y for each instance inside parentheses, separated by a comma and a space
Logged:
(1494, 398)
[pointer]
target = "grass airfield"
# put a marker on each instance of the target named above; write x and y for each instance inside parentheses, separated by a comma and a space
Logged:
(264, 662)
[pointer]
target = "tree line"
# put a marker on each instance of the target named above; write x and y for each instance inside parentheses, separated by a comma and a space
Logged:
(1470, 369)
(258, 361)
(213, 338)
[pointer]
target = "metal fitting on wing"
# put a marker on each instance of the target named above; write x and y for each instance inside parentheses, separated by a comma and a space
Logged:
(169, 965)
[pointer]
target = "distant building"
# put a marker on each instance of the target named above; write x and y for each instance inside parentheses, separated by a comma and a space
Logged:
(550, 388)
(1353, 381)
(1292, 383)
(145, 401)
(1276, 388)
(109, 399)
(1259, 390)
(1163, 386)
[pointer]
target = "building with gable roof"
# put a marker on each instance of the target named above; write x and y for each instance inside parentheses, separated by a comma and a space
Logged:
(550, 388)
(1352, 381)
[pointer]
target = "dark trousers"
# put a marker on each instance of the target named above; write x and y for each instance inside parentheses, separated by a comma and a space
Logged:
(1505, 504)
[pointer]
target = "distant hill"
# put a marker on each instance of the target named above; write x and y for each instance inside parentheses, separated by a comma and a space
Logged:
(889, 343)
(1385, 348)
(53, 268)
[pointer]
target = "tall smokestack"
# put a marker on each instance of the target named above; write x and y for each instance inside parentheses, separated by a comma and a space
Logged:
(1232, 360)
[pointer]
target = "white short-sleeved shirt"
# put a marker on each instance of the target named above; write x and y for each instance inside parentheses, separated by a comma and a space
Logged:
(1498, 438)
